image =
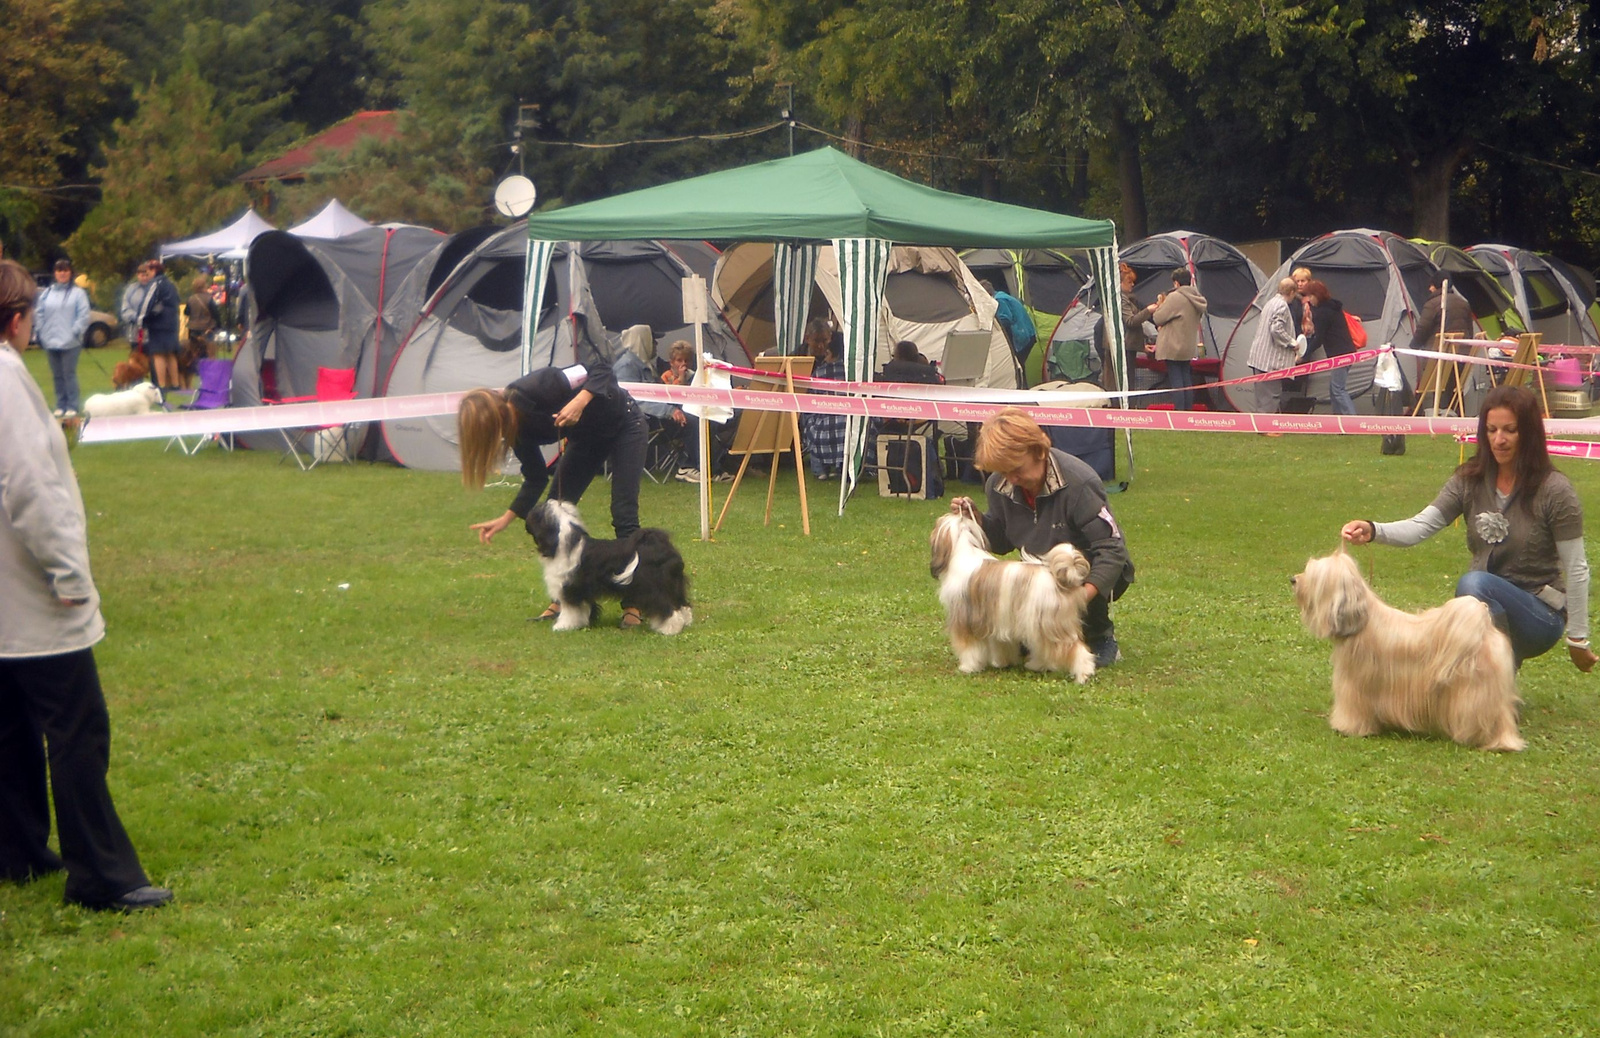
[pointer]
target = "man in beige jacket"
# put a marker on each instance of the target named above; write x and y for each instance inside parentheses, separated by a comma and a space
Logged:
(1177, 320)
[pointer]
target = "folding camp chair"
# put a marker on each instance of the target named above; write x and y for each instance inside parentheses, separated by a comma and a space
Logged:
(663, 450)
(216, 382)
(323, 443)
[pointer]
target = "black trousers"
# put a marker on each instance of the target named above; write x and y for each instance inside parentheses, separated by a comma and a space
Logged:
(582, 460)
(52, 709)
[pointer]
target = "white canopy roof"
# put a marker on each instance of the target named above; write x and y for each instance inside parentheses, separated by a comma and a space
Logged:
(236, 236)
(335, 221)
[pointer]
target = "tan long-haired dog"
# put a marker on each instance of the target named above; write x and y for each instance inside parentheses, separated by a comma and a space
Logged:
(995, 607)
(1446, 671)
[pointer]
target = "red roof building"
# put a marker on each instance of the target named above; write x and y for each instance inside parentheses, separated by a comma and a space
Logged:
(338, 139)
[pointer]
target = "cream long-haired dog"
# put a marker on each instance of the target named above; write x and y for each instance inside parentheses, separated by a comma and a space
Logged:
(1446, 671)
(996, 607)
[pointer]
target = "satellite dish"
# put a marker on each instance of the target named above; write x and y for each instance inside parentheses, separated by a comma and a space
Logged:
(515, 196)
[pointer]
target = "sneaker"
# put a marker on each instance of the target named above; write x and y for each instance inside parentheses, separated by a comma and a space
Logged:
(1106, 653)
(58, 412)
(70, 413)
(688, 476)
(722, 477)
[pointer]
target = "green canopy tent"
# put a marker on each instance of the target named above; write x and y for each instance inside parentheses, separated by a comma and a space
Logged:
(799, 203)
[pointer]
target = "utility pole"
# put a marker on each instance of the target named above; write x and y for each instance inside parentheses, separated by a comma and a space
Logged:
(788, 114)
(527, 118)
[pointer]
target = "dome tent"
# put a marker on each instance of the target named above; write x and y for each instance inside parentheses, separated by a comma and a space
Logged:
(928, 293)
(1378, 276)
(1224, 275)
(1045, 280)
(470, 329)
(1546, 299)
(1492, 305)
(337, 303)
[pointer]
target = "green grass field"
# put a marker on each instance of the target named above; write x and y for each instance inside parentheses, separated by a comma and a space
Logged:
(400, 808)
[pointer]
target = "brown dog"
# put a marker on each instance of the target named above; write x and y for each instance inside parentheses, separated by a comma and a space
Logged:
(132, 371)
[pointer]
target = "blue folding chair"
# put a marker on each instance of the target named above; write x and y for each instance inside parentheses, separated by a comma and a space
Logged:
(216, 385)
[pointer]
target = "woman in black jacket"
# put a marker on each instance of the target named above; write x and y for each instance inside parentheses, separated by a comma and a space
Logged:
(1332, 335)
(582, 404)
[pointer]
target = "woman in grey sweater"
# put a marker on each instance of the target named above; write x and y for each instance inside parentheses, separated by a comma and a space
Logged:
(1524, 526)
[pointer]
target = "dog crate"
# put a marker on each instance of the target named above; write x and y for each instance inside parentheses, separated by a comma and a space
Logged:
(904, 468)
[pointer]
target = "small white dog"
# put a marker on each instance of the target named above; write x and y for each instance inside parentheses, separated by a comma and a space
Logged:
(1446, 671)
(141, 399)
(996, 608)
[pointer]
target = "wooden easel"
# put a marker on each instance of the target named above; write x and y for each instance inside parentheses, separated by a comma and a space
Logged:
(766, 432)
(1434, 377)
(1528, 353)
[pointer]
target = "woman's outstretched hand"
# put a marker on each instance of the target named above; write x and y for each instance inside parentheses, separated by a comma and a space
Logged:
(1357, 531)
(486, 531)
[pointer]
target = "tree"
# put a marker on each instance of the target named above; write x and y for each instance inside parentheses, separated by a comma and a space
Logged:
(167, 175)
(52, 78)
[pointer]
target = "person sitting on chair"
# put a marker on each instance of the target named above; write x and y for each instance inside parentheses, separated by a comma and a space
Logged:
(909, 365)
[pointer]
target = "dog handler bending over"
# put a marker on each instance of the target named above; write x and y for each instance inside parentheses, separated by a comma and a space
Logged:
(1524, 528)
(1039, 497)
(583, 404)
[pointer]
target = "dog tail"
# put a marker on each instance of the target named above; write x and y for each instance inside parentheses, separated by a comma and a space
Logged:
(624, 576)
(1068, 566)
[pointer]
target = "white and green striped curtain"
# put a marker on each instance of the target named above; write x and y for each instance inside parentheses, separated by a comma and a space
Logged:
(539, 253)
(1103, 264)
(794, 266)
(863, 271)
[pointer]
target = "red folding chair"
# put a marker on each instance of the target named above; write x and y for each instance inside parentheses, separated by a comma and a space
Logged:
(323, 443)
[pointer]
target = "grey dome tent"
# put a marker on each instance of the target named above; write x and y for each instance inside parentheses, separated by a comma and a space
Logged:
(1546, 298)
(469, 332)
(1492, 305)
(1378, 276)
(1047, 281)
(1224, 275)
(338, 303)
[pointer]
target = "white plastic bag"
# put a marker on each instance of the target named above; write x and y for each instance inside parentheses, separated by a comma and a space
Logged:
(1387, 374)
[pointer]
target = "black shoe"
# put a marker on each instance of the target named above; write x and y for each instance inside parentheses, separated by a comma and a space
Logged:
(134, 900)
(1106, 653)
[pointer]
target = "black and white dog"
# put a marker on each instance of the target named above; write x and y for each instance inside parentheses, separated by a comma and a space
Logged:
(643, 569)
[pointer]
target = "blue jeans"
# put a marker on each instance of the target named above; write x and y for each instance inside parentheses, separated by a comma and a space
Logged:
(1338, 395)
(1534, 627)
(1180, 377)
(64, 372)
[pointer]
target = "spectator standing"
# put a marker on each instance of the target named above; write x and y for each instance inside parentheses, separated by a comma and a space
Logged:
(1177, 320)
(61, 318)
(55, 733)
(159, 319)
(1273, 346)
(1330, 332)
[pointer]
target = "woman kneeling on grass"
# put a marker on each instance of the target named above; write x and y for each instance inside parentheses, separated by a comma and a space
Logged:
(1524, 528)
(1039, 497)
(582, 404)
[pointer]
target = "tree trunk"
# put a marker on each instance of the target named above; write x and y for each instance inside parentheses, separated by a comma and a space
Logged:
(1430, 179)
(1130, 177)
(1078, 197)
(854, 129)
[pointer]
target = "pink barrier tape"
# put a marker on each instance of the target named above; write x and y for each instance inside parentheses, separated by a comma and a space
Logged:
(1510, 345)
(167, 424)
(1583, 450)
(1025, 396)
(1463, 358)
(932, 406)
